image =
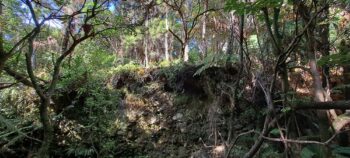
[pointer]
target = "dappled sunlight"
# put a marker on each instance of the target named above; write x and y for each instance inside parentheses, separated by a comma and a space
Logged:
(174, 78)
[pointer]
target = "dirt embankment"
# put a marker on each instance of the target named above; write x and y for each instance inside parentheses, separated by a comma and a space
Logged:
(175, 113)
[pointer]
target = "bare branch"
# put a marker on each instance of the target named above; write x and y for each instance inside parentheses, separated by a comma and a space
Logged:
(7, 85)
(19, 77)
(235, 140)
(177, 37)
(307, 105)
(195, 19)
(303, 141)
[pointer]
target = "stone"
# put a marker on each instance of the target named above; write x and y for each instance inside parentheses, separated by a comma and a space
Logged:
(178, 116)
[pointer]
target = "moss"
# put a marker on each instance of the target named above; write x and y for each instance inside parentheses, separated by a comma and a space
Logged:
(181, 100)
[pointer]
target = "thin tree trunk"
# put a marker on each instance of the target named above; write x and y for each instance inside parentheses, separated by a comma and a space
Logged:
(33, 59)
(145, 44)
(278, 49)
(232, 35)
(204, 27)
(318, 91)
(185, 51)
(166, 45)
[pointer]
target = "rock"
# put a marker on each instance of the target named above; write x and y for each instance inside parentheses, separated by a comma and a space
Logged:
(156, 103)
(199, 154)
(178, 116)
(153, 120)
(120, 132)
(219, 151)
(182, 152)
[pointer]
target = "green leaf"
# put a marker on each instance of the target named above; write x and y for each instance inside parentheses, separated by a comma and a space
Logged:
(275, 131)
(307, 153)
(334, 59)
(342, 150)
(286, 109)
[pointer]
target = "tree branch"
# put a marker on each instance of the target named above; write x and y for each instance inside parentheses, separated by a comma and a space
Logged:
(303, 141)
(177, 37)
(305, 105)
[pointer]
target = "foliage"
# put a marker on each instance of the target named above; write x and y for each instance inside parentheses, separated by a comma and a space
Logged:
(216, 60)
(94, 120)
(253, 7)
(334, 59)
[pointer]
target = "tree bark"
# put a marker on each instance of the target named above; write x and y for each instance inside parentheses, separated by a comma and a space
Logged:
(318, 91)
(3, 55)
(166, 44)
(185, 52)
(44, 151)
(145, 44)
(278, 48)
(204, 28)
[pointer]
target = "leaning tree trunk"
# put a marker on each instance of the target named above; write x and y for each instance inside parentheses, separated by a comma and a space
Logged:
(319, 93)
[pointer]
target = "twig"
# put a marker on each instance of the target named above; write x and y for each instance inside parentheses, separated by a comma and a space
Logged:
(235, 140)
(303, 141)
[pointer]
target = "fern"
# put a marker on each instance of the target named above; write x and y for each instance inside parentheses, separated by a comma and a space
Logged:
(80, 151)
(216, 60)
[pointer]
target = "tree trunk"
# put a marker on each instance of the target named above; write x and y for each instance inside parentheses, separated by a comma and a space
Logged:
(145, 53)
(3, 58)
(318, 93)
(33, 59)
(204, 26)
(1, 35)
(231, 39)
(318, 90)
(44, 151)
(145, 44)
(185, 50)
(166, 45)
(3, 55)
(283, 71)
(344, 49)
(278, 48)
(323, 31)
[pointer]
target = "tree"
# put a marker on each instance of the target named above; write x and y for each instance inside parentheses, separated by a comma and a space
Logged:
(189, 18)
(88, 27)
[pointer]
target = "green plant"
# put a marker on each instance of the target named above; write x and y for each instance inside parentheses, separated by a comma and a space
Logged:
(216, 60)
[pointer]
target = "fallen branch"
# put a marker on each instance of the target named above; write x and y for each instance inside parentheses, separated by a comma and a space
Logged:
(305, 105)
(303, 141)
